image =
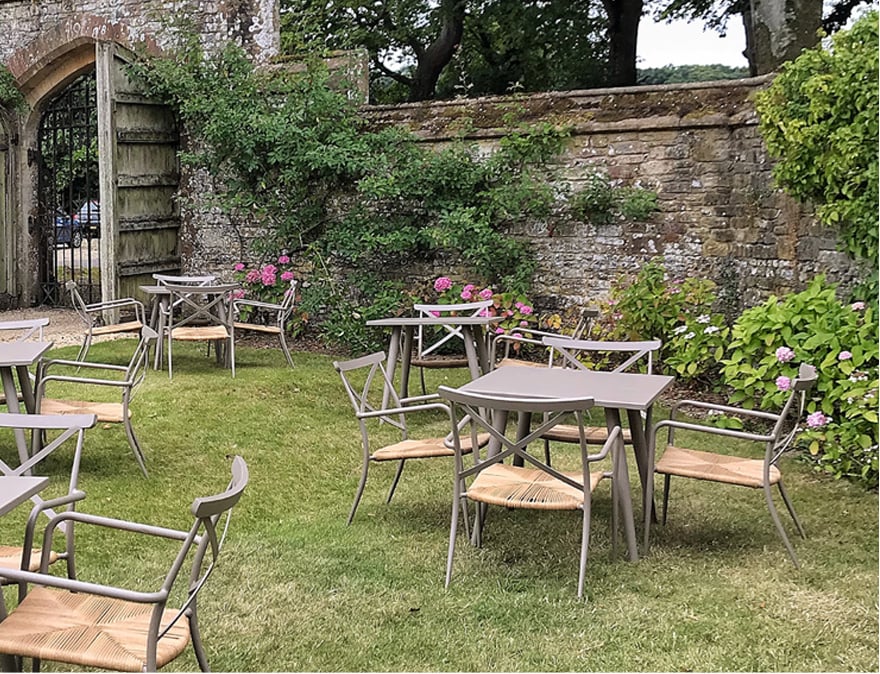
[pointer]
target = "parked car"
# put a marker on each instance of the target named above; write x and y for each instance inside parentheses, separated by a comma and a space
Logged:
(89, 218)
(67, 231)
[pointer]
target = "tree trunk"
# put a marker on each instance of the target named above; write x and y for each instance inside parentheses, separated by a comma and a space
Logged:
(781, 29)
(623, 31)
(434, 59)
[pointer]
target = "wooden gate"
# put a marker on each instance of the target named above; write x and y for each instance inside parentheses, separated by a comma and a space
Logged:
(139, 177)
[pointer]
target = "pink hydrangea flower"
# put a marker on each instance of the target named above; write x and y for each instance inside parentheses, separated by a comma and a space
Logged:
(857, 306)
(466, 294)
(484, 313)
(239, 266)
(817, 419)
(523, 324)
(237, 294)
(518, 335)
(499, 331)
(442, 284)
(252, 276)
(486, 294)
(783, 383)
(526, 309)
(844, 355)
(287, 276)
(784, 354)
(283, 259)
(469, 288)
(435, 314)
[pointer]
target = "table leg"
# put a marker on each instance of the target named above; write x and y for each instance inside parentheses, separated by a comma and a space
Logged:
(405, 358)
(499, 421)
(391, 363)
(638, 427)
(12, 405)
(612, 419)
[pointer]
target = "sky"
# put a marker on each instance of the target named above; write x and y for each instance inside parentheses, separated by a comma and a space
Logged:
(682, 43)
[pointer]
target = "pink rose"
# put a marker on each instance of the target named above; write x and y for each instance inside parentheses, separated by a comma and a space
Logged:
(844, 355)
(283, 259)
(442, 284)
(817, 419)
(784, 354)
(783, 383)
(239, 266)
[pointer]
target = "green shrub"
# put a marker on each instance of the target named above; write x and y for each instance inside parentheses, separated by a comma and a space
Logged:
(840, 340)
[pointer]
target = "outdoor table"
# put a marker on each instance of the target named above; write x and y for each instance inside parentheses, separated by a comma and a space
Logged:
(613, 391)
(158, 294)
(16, 489)
(473, 331)
(16, 358)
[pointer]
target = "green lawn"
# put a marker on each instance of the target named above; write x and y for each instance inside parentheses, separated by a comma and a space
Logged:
(297, 589)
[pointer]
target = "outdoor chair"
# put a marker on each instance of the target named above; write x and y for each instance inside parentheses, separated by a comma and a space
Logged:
(538, 486)
(124, 378)
(569, 350)
(732, 469)
(278, 313)
(520, 336)
(23, 330)
(366, 399)
(25, 556)
(428, 346)
(200, 314)
(93, 316)
(116, 628)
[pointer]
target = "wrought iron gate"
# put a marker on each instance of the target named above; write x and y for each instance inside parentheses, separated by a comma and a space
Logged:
(69, 210)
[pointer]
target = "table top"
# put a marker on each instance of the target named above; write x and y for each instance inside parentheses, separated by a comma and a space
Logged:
(155, 290)
(22, 353)
(409, 321)
(17, 489)
(622, 390)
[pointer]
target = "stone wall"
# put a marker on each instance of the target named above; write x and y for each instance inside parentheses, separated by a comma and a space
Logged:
(696, 145)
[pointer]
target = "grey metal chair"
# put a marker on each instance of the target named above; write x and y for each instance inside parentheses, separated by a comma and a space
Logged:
(538, 486)
(366, 398)
(200, 313)
(680, 461)
(278, 313)
(569, 351)
(125, 378)
(509, 341)
(428, 346)
(93, 317)
(68, 428)
(109, 627)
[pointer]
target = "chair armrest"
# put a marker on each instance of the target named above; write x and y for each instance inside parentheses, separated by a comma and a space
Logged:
(728, 432)
(83, 363)
(255, 303)
(422, 398)
(44, 579)
(118, 304)
(723, 408)
(31, 525)
(615, 434)
(82, 380)
(401, 410)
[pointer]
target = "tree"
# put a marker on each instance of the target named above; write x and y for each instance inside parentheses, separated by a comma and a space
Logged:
(819, 117)
(623, 30)
(695, 73)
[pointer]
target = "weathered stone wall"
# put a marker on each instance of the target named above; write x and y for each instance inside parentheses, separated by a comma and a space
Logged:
(697, 146)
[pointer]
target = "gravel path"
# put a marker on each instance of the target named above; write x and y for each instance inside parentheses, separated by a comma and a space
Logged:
(64, 328)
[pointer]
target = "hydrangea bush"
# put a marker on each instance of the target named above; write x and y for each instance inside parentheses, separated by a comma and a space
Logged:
(269, 282)
(771, 340)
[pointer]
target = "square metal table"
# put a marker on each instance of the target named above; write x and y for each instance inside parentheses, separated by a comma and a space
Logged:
(473, 332)
(16, 358)
(613, 391)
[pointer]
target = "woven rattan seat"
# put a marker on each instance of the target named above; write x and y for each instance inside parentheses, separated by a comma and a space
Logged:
(111, 413)
(278, 313)
(743, 471)
(200, 333)
(715, 467)
(258, 327)
(596, 435)
(505, 362)
(110, 627)
(423, 449)
(89, 631)
(514, 487)
(93, 317)
(440, 362)
(10, 557)
(128, 326)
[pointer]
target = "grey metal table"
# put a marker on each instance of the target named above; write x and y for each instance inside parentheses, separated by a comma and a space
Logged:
(613, 391)
(473, 332)
(15, 359)
(15, 490)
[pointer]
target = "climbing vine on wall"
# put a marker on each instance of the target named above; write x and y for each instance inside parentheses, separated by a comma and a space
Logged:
(10, 94)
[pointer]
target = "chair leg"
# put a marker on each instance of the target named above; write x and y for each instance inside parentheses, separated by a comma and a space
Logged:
(285, 349)
(196, 638)
(135, 446)
(791, 511)
(615, 518)
(547, 451)
(84, 348)
(422, 379)
(359, 493)
(456, 498)
(768, 496)
(585, 543)
(396, 480)
(666, 485)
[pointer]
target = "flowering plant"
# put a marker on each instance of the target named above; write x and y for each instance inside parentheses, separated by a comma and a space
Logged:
(269, 282)
(696, 348)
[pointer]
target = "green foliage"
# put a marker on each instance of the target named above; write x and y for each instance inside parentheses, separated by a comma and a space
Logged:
(10, 94)
(690, 73)
(813, 326)
(819, 117)
(514, 307)
(602, 201)
(269, 282)
(695, 350)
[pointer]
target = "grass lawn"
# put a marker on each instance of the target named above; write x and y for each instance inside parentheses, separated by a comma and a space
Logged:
(297, 589)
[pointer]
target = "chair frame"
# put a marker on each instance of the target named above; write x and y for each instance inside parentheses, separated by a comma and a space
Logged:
(777, 442)
(481, 410)
(394, 416)
(209, 304)
(94, 316)
(282, 313)
(70, 426)
(582, 327)
(207, 535)
(423, 358)
(27, 326)
(133, 374)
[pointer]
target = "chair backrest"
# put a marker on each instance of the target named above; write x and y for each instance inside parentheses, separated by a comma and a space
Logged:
(79, 304)
(289, 298)
(569, 349)
(26, 327)
(786, 427)
(199, 305)
(140, 359)
(448, 332)
(212, 517)
(527, 335)
(194, 280)
(368, 396)
(482, 410)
